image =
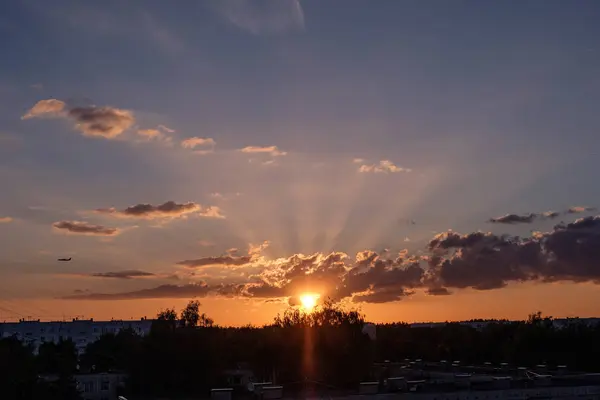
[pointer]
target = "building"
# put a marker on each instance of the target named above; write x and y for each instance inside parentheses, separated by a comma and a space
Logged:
(104, 386)
(81, 332)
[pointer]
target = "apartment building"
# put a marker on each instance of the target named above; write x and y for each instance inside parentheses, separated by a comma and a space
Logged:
(81, 332)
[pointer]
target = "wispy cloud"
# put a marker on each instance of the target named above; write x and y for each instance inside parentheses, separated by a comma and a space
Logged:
(271, 150)
(262, 16)
(84, 228)
(579, 209)
(166, 129)
(169, 209)
(5, 220)
(384, 166)
(125, 274)
(46, 108)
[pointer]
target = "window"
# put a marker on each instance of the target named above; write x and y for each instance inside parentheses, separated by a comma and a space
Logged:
(104, 385)
(88, 387)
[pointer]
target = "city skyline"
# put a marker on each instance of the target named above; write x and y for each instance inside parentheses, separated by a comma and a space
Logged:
(421, 162)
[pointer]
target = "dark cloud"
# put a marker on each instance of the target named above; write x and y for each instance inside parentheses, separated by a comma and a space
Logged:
(476, 260)
(85, 228)
(126, 274)
(164, 292)
(483, 261)
(160, 292)
(220, 260)
(514, 219)
(169, 209)
(573, 251)
(531, 217)
(106, 122)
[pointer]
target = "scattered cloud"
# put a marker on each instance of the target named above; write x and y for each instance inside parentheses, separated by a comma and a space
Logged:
(149, 133)
(166, 129)
(160, 292)
(46, 108)
(211, 212)
(256, 250)
(579, 209)
(271, 150)
(37, 86)
(532, 217)
(453, 261)
(5, 220)
(550, 214)
(125, 274)
(84, 228)
(206, 243)
(262, 16)
(384, 166)
(227, 260)
(358, 160)
(206, 145)
(107, 122)
(169, 209)
(514, 219)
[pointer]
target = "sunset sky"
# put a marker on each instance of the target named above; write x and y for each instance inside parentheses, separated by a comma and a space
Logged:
(419, 160)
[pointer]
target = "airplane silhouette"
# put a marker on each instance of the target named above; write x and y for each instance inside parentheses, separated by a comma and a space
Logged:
(64, 259)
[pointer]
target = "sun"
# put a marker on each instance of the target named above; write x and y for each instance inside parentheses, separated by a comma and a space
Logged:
(309, 300)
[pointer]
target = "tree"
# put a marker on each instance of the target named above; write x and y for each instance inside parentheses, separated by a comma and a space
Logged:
(190, 315)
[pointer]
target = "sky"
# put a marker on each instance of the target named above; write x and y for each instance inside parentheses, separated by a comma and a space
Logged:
(417, 160)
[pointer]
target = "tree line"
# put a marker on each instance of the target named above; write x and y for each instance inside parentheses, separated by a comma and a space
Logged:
(186, 354)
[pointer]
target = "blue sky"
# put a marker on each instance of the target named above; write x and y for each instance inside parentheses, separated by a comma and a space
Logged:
(482, 108)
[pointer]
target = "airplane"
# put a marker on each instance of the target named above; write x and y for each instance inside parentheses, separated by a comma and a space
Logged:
(64, 259)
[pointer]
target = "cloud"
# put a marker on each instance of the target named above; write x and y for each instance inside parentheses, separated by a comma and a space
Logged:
(220, 260)
(211, 212)
(358, 160)
(125, 274)
(37, 86)
(453, 261)
(84, 228)
(149, 133)
(271, 150)
(579, 209)
(514, 219)
(166, 129)
(169, 209)
(550, 214)
(262, 16)
(384, 166)
(46, 108)
(256, 250)
(160, 292)
(155, 135)
(206, 243)
(532, 217)
(207, 144)
(5, 220)
(107, 122)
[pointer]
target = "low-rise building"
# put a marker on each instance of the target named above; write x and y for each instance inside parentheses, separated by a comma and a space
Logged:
(81, 332)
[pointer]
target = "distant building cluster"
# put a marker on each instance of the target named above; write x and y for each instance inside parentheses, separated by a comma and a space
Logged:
(558, 323)
(81, 331)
